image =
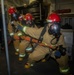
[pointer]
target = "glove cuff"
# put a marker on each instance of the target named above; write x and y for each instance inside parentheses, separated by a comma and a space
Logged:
(11, 34)
(24, 29)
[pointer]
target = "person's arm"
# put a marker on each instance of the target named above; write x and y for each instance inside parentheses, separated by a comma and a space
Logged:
(61, 45)
(62, 41)
(33, 32)
(10, 29)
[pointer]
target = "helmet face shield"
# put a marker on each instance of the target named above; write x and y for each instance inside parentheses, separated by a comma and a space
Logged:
(29, 22)
(54, 29)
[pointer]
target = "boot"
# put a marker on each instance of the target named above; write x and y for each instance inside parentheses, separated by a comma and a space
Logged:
(65, 71)
(28, 65)
(17, 52)
(43, 60)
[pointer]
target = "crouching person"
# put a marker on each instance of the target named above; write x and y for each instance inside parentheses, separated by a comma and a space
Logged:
(51, 35)
(26, 46)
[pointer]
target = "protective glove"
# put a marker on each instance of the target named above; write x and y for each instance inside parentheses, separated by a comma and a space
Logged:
(19, 27)
(62, 50)
(57, 54)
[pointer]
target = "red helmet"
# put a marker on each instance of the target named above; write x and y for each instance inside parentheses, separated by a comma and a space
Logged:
(53, 18)
(28, 16)
(11, 10)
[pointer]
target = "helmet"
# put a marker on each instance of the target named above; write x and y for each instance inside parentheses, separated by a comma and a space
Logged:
(28, 16)
(11, 10)
(29, 20)
(53, 18)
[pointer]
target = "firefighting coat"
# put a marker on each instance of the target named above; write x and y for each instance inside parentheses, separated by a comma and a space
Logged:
(35, 33)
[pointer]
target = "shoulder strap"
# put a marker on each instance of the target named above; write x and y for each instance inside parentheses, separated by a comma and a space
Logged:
(40, 37)
(42, 33)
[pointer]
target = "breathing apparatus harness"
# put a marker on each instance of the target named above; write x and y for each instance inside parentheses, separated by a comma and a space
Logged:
(41, 37)
(56, 33)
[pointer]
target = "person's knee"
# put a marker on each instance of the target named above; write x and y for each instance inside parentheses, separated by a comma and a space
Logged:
(35, 57)
(32, 57)
(63, 60)
(22, 43)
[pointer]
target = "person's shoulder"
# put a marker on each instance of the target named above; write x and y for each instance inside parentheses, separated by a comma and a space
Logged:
(41, 28)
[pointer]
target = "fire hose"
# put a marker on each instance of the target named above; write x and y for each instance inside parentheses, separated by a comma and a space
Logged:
(28, 38)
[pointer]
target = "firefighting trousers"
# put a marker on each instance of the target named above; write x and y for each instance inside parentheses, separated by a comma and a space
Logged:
(23, 45)
(40, 53)
(16, 44)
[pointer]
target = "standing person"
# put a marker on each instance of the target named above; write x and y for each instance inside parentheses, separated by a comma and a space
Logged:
(13, 14)
(53, 37)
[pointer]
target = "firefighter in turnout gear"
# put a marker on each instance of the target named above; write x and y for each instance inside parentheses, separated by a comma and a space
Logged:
(26, 46)
(11, 28)
(50, 34)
